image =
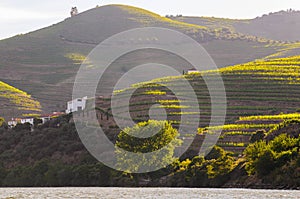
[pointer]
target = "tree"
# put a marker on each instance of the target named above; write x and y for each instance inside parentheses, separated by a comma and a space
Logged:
(37, 121)
(257, 136)
(265, 163)
(140, 141)
(1, 121)
(21, 127)
(263, 158)
(253, 152)
(220, 162)
(215, 153)
(283, 143)
(3, 124)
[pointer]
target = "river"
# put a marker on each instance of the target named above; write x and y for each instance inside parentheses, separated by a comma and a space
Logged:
(160, 193)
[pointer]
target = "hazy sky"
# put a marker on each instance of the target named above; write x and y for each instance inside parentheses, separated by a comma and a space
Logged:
(21, 16)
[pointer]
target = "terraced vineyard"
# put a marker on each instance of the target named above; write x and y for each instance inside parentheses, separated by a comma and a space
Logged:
(15, 100)
(257, 88)
(256, 92)
(45, 62)
(235, 137)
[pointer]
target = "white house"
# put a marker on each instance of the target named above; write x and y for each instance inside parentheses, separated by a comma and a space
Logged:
(27, 120)
(76, 105)
(48, 117)
(191, 71)
(14, 121)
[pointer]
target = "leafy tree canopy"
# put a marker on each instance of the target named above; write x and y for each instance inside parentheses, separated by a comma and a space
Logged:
(148, 144)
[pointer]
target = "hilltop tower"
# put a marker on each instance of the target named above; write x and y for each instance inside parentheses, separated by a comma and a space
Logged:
(74, 11)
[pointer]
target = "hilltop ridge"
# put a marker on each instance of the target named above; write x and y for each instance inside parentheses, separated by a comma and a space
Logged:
(44, 63)
(278, 26)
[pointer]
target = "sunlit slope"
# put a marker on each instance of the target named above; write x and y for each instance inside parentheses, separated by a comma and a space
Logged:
(256, 88)
(280, 26)
(45, 62)
(16, 102)
(235, 137)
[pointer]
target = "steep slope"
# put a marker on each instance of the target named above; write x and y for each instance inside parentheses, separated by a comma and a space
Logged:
(16, 102)
(261, 87)
(45, 62)
(235, 137)
(281, 26)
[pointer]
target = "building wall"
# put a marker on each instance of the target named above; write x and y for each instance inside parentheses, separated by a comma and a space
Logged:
(76, 105)
(27, 120)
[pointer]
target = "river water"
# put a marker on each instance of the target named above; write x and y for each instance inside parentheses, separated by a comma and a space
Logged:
(161, 193)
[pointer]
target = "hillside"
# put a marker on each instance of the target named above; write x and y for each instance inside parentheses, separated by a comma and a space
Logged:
(13, 100)
(246, 130)
(261, 87)
(266, 26)
(44, 63)
(280, 26)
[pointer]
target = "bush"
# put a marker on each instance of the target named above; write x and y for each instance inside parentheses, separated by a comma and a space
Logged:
(143, 138)
(257, 136)
(266, 163)
(263, 158)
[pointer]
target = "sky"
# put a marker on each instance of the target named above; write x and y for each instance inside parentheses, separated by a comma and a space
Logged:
(22, 16)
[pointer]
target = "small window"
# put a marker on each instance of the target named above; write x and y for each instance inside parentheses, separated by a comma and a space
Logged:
(79, 100)
(79, 108)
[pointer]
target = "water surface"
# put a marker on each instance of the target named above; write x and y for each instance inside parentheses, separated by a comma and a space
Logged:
(161, 193)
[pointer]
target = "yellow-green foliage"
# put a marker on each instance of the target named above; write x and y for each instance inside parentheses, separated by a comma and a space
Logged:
(167, 102)
(258, 81)
(149, 18)
(285, 48)
(173, 106)
(1, 121)
(184, 113)
(273, 117)
(238, 133)
(76, 57)
(31, 115)
(239, 126)
(265, 157)
(282, 69)
(155, 92)
(184, 165)
(19, 98)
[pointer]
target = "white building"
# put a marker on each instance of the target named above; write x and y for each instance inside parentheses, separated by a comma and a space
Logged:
(14, 122)
(45, 118)
(192, 71)
(48, 117)
(76, 105)
(27, 120)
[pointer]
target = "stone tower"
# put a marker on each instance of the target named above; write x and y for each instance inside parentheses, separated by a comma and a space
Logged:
(74, 11)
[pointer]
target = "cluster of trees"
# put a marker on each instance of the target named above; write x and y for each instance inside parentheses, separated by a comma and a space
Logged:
(45, 172)
(212, 170)
(173, 16)
(276, 161)
(54, 139)
(53, 155)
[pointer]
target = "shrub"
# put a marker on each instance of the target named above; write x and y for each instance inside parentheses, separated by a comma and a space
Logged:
(258, 135)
